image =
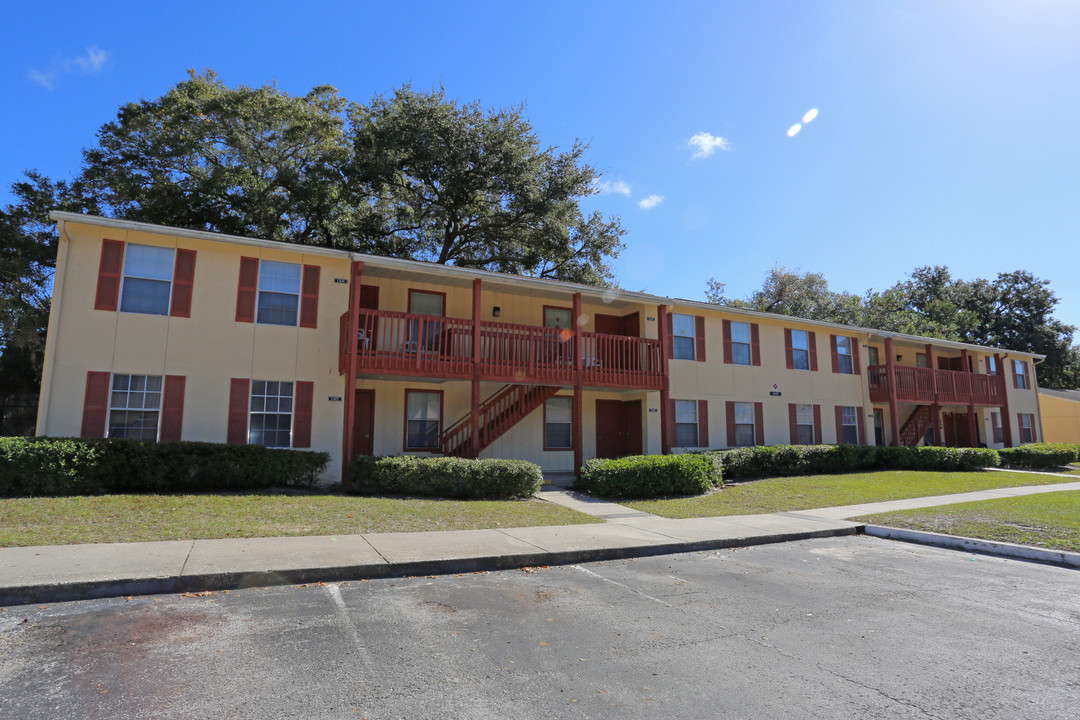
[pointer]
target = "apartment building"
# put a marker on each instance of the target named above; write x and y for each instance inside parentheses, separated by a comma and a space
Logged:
(163, 334)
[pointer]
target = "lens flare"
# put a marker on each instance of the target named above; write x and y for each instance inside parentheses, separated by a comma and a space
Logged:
(794, 130)
(810, 115)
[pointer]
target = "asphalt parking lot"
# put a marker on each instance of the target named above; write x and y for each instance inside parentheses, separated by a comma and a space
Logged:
(850, 627)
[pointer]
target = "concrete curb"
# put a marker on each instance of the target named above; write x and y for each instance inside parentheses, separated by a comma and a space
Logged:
(974, 545)
(67, 592)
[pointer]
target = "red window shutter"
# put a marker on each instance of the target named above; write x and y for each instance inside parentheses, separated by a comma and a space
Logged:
(862, 426)
(793, 418)
(669, 341)
(1030, 384)
(727, 341)
(703, 423)
(835, 354)
(95, 404)
(1020, 427)
(855, 355)
(839, 425)
(759, 424)
(813, 351)
(1016, 379)
(755, 345)
(172, 407)
(246, 292)
(309, 297)
(730, 419)
(305, 389)
(109, 271)
(699, 338)
(238, 411)
(789, 351)
(182, 283)
(671, 422)
(817, 425)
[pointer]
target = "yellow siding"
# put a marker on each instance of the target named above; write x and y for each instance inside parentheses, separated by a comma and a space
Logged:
(1060, 419)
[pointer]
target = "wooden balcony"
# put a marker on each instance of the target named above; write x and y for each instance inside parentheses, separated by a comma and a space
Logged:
(927, 386)
(396, 343)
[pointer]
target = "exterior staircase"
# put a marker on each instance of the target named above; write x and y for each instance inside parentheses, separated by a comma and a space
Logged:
(500, 412)
(916, 426)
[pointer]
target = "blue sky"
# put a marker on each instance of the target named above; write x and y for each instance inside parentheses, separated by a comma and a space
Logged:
(948, 131)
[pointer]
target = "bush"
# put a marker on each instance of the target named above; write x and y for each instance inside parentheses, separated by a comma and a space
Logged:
(644, 476)
(1040, 455)
(72, 466)
(787, 460)
(447, 477)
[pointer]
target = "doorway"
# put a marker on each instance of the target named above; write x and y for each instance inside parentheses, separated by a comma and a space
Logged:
(618, 428)
(363, 435)
(956, 430)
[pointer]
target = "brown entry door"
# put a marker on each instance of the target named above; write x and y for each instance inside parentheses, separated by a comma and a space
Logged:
(618, 428)
(363, 439)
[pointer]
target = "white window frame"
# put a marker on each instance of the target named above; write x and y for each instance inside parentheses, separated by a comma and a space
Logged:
(1021, 376)
(804, 421)
(683, 337)
(434, 447)
(740, 345)
(849, 418)
(560, 400)
(796, 350)
(276, 400)
(264, 267)
(742, 411)
(134, 248)
(873, 356)
(145, 395)
(844, 352)
(1027, 426)
(686, 417)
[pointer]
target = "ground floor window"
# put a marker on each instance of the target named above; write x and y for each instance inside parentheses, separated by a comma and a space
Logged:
(1027, 428)
(423, 417)
(804, 424)
(271, 414)
(686, 423)
(134, 407)
(995, 422)
(849, 426)
(744, 424)
(558, 414)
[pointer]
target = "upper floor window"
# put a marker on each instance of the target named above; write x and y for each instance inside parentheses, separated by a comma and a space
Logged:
(872, 355)
(135, 407)
(1020, 369)
(279, 293)
(684, 339)
(844, 356)
(556, 317)
(800, 349)
(740, 344)
(147, 284)
(991, 365)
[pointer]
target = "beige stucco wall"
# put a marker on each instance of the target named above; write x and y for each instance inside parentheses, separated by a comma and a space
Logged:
(1060, 419)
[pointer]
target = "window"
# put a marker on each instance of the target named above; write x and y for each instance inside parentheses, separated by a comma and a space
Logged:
(423, 415)
(800, 348)
(686, 423)
(991, 365)
(279, 294)
(683, 338)
(844, 360)
(804, 424)
(921, 360)
(744, 424)
(425, 334)
(849, 426)
(873, 357)
(134, 407)
(995, 421)
(558, 414)
(1027, 427)
(555, 317)
(271, 414)
(740, 343)
(1020, 370)
(147, 282)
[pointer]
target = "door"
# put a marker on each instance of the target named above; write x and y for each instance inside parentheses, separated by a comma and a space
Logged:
(363, 439)
(879, 426)
(369, 324)
(618, 428)
(962, 430)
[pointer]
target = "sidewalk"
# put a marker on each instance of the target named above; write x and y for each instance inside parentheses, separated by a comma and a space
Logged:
(57, 573)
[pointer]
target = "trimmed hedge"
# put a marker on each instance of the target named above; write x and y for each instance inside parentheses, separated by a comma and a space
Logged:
(74, 466)
(1040, 455)
(643, 476)
(786, 460)
(447, 477)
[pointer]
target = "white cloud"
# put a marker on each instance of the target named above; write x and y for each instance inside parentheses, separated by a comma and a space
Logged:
(618, 187)
(705, 144)
(650, 202)
(88, 64)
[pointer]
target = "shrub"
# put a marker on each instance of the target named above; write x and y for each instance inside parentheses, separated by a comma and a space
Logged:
(644, 476)
(1040, 455)
(787, 460)
(447, 477)
(72, 466)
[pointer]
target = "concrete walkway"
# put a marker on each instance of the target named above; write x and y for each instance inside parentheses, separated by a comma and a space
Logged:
(73, 572)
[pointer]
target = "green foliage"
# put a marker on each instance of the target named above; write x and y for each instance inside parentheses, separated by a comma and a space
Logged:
(1040, 455)
(447, 477)
(788, 460)
(649, 476)
(70, 466)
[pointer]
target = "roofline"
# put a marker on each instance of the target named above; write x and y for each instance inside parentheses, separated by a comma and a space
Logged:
(602, 293)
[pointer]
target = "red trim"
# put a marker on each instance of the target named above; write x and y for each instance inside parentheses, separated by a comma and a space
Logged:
(352, 335)
(699, 338)
(755, 345)
(239, 398)
(835, 354)
(861, 424)
(789, 352)
(571, 445)
(727, 342)
(95, 404)
(793, 421)
(817, 425)
(813, 350)
(405, 419)
(839, 425)
(703, 423)
(729, 417)
(303, 394)
(759, 423)
(309, 297)
(413, 291)
(172, 408)
(672, 435)
(855, 364)
(669, 340)
(183, 283)
(246, 290)
(110, 268)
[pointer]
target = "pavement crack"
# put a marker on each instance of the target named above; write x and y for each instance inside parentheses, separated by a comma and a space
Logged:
(515, 537)
(375, 549)
(187, 557)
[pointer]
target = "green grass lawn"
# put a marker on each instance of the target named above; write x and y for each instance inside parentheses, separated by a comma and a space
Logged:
(138, 518)
(818, 491)
(1050, 520)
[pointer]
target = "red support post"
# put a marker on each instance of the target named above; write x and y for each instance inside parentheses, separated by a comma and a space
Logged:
(352, 338)
(475, 400)
(577, 420)
(894, 410)
(665, 392)
(935, 408)
(1006, 418)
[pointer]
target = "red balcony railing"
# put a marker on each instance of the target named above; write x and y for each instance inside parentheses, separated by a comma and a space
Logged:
(428, 346)
(917, 385)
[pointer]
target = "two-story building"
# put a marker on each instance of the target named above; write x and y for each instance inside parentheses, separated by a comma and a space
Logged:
(164, 333)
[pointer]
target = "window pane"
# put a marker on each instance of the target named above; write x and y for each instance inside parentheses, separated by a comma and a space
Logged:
(740, 332)
(558, 435)
(805, 434)
(422, 303)
(557, 317)
(920, 360)
(744, 435)
(133, 424)
(800, 340)
(279, 277)
(851, 435)
(145, 296)
(686, 411)
(843, 345)
(423, 434)
(872, 356)
(682, 325)
(740, 353)
(277, 308)
(849, 415)
(559, 409)
(744, 413)
(683, 348)
(800, 359)
(152, 263)
(686, 435)
(423, 406)
(271, 414)
(804, 414)
(846, 365)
